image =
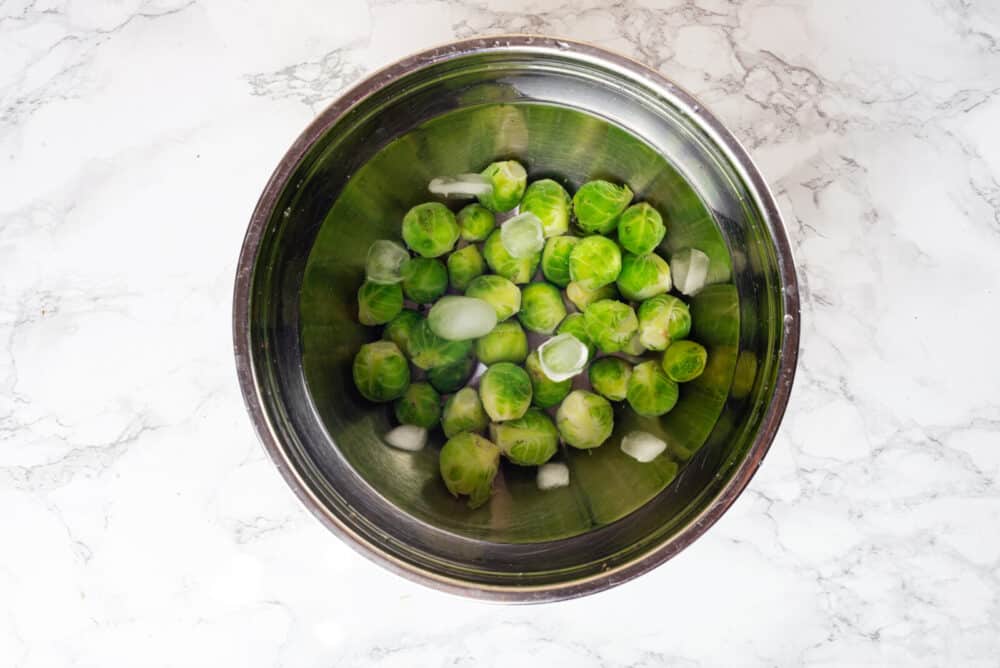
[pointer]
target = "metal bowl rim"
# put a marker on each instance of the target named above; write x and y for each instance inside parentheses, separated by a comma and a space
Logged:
(724, 140)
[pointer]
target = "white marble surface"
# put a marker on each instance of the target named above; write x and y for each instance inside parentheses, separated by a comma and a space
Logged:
(142, 524)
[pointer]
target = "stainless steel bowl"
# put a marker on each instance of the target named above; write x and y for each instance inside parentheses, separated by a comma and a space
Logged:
(573, 112)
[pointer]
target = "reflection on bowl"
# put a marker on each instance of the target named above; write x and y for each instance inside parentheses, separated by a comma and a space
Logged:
(569, 112)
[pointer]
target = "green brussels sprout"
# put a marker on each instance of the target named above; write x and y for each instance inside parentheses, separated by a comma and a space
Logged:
(468, 465)
(663, 319)
(555, 259)
(530, 440)
(506, 343)
(464, 265)
(518, 270)
(424, 280)
(476, 222)
(610, 324)
(428, 350)
(640, 229)
(452, 377)
(595, 262)
(381, 372)
(650, 391)
(545, 392)
(420, 406)
(542, 308)
(609, 377)
(463, 412)
(576, 324)
(585, 420)
(509, 179)
(583, 297)
(550, 202)
(684, 361)
(400, 329)
(498, 292)
(385, 261)
(597, 205)
(430, 229)
(642, 277)
(378, 303)
(505, 391)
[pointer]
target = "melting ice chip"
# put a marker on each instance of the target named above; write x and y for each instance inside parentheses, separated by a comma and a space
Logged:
(461, 185)
(642, 446)
(689, 268)
(522, 236)
(552, 475)
(562, 357)
(461, 318)
(385, 262)
(407, 437)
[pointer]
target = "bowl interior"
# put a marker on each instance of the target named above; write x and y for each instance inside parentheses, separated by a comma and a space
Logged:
(554, 142)
(565, 118)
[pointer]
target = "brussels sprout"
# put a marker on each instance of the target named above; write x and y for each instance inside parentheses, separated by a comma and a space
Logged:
(545, 392)
(518, 270)
(385, 262)
(643, 276)
(452, 377)
(464, 265)
(585, 420)
(530, 440)
(506, 343)
(400, 329)
(576, 325)
(468, 464)
(663, 319)
(595, 262)
(430, 229)
(498, 292)
(684, 361)
(463, 412)
(555, 259)
(640, 229)
(597, 205)
(550, 202)
(428, 350)
(476, 222)
(509, 179)
(461, 318)
(522, 236)
(379, 303)
(582, 297)
(505, 390)
(610, 324)
(424, 280)
(420, 405)
(609, 376)
(542, 308)
(650, 391)
(381, 373)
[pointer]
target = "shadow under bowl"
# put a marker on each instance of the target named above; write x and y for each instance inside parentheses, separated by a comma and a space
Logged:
(570, 112)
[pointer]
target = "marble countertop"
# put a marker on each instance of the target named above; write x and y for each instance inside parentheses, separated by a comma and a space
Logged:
(143, 524)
